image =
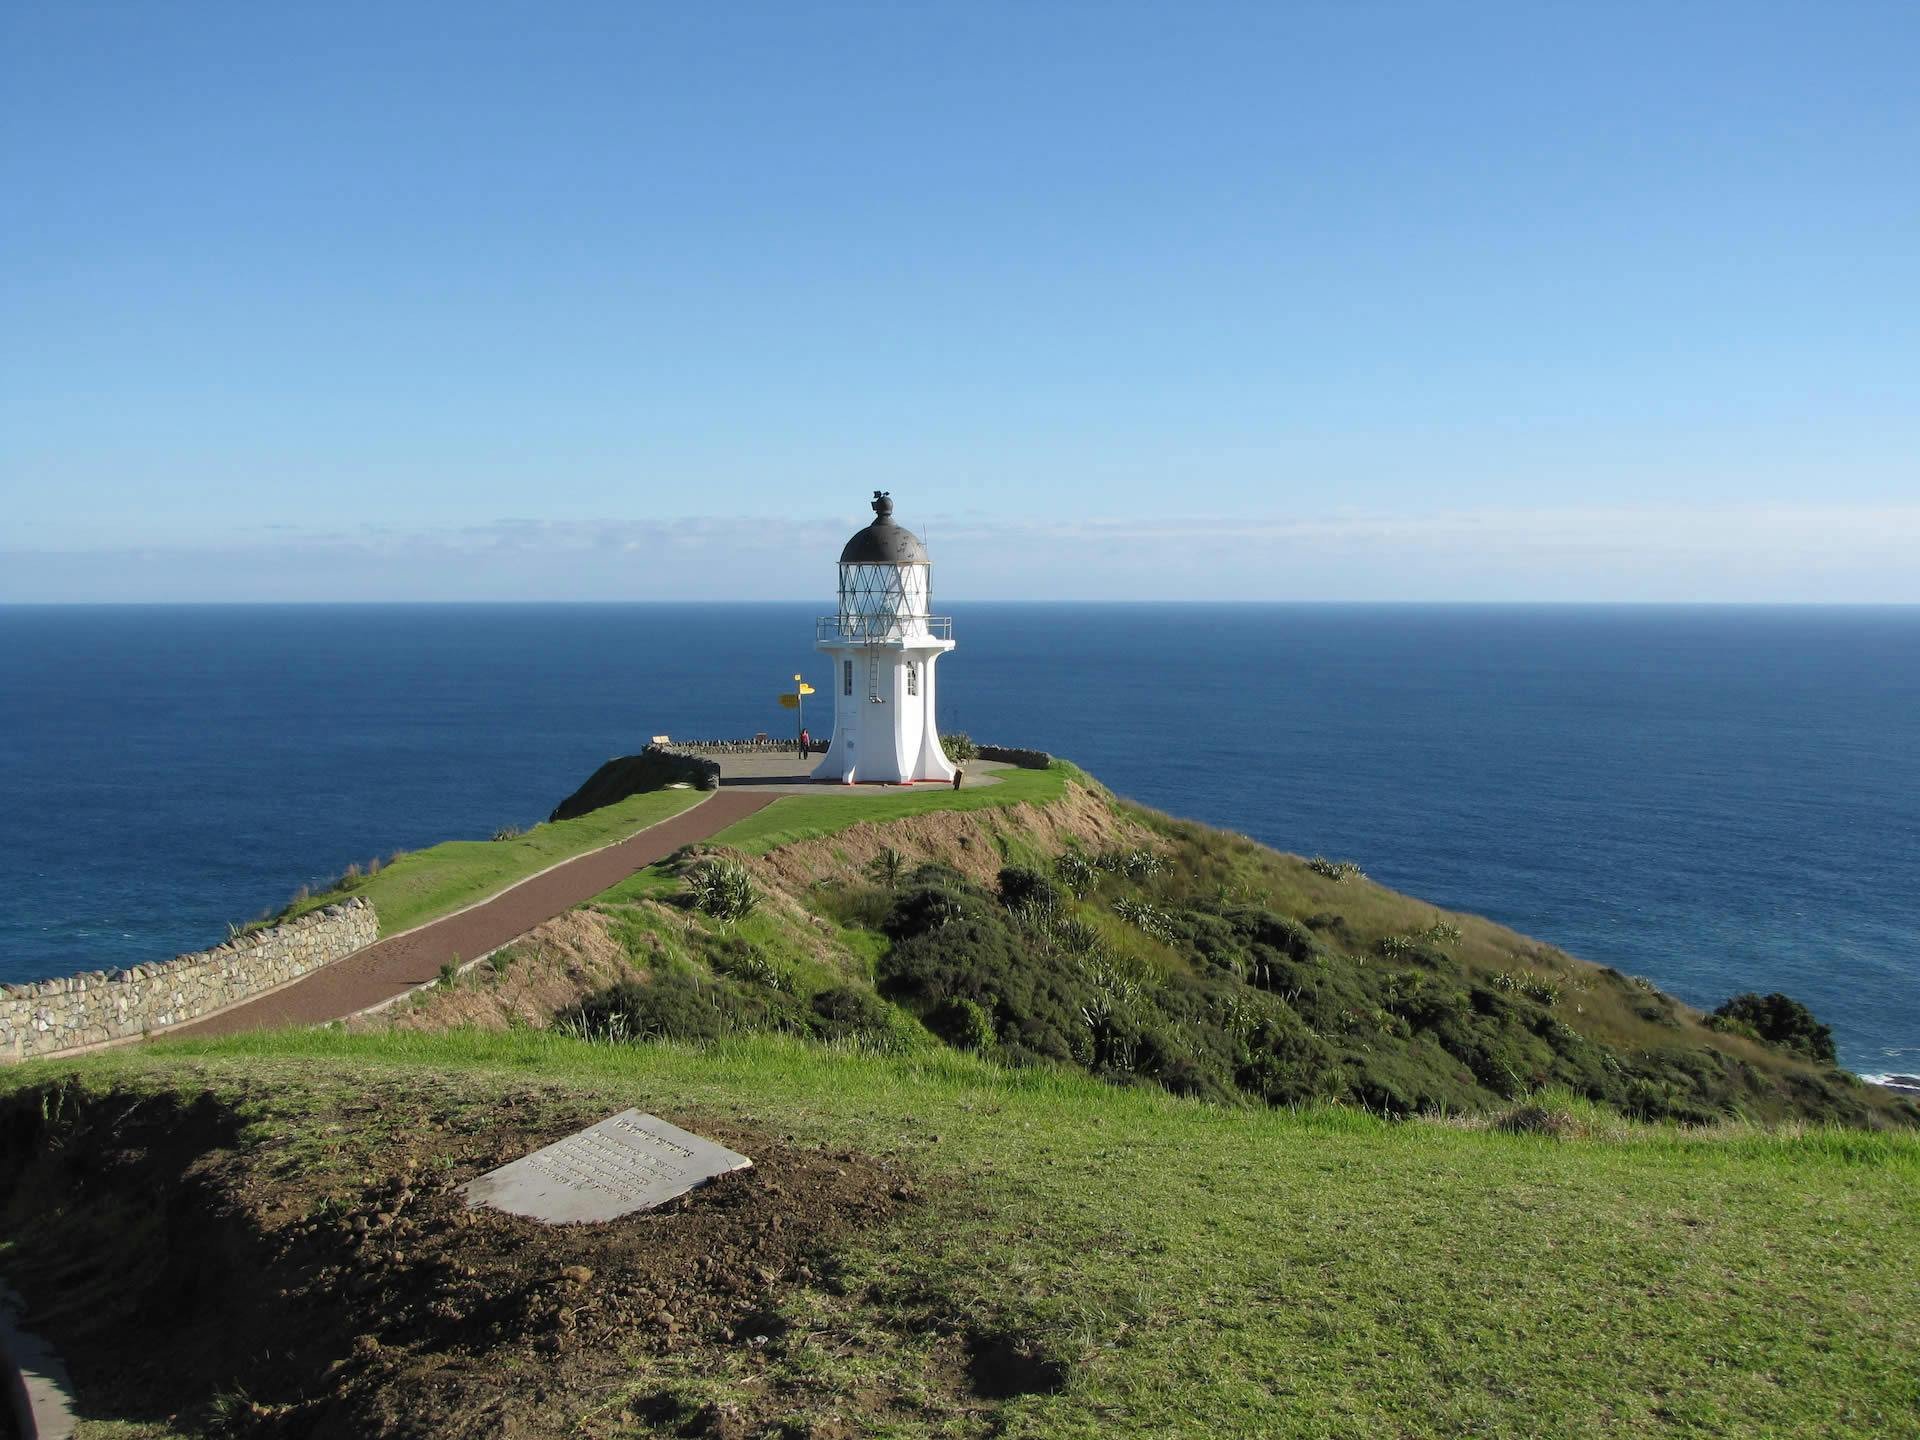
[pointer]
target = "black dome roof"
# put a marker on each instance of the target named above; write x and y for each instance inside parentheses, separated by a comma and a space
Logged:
(883, 542)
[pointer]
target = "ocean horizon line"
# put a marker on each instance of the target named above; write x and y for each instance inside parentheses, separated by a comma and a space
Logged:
(1195, 603)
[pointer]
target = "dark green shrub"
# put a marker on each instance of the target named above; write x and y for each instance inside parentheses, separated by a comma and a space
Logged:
(1020, 885)
(1730, 1025)
(962, 1023)
(928, 903)
(672, 1006)
(849, 1012)
(952, 941)
(1781, 1020)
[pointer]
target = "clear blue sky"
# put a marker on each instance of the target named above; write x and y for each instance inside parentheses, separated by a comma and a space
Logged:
(1271, 301)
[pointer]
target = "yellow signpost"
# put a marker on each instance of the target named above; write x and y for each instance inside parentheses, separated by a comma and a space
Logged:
(796, 700)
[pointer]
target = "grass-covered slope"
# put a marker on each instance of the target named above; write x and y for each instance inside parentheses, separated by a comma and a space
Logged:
(416, 886)
(1013, 1251)
(1073, 929)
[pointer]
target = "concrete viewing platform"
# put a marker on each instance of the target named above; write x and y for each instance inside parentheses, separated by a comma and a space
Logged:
(783, 772)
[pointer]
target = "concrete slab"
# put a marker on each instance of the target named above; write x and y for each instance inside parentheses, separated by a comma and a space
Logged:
(627, 1163)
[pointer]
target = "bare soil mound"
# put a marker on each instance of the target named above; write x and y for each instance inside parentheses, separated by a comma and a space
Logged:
(187, 1269)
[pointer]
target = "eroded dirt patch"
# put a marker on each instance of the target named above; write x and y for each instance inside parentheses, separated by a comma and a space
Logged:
(188, 1264)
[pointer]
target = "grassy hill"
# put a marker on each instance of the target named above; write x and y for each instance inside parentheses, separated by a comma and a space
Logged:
(1069, 1119)
(1046, 922)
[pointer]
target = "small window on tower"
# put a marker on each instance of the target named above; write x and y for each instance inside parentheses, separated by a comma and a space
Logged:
(846, 677)
(913, 679)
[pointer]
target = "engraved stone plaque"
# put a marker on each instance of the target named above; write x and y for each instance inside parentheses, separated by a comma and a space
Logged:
(630, 1162)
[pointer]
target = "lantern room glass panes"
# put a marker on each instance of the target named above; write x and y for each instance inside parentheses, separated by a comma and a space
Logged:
(883, 602)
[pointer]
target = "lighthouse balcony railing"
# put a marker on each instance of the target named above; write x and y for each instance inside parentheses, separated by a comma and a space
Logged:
(875, 628)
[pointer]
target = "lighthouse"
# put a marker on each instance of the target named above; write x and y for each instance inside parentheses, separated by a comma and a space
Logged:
(884, 644)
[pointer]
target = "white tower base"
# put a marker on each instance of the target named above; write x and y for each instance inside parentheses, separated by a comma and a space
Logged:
(883, 715)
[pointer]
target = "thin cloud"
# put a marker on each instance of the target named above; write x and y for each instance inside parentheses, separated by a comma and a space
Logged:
(1747, 552)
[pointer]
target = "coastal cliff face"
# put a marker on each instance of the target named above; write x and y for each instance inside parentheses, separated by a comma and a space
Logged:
(77, 1012)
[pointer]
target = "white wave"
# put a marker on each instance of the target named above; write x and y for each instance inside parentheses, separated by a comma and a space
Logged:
(1905, 1084)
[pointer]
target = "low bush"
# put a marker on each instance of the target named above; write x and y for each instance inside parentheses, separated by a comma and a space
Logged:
(1135, 864)
(671, 1006)
(959, 747)
(1338, 871)
(846, 1012)
(1147, 918)
(962, 1023)
(1780, 1020)
(1535, 988)
(1076, 872)
(1020, 885)
(749, 963)
(723, 889)
(887, 867)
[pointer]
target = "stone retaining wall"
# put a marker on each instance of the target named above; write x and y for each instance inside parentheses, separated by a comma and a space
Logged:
(49, 1017)
(731, 747)
(1015, 755)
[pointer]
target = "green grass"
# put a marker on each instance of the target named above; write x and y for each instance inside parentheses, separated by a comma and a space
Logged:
(1204, 1271)
(807, 817)
(423, 885)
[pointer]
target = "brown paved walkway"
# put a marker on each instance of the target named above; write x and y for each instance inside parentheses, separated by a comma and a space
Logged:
(396, 965)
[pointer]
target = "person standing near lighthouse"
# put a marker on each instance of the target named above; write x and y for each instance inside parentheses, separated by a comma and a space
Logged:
(884, 644)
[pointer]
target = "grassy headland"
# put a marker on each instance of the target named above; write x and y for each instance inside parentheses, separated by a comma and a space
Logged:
(1076, 929)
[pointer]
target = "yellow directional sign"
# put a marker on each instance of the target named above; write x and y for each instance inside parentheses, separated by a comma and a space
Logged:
(806, 690)
(790, 702)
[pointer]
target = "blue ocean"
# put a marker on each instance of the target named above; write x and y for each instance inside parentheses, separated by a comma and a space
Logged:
(1719, 799)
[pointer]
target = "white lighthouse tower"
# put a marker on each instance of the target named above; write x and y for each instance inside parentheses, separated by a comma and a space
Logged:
(884, 645)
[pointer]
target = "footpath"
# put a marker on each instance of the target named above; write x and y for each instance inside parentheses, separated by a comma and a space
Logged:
(390, 968)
